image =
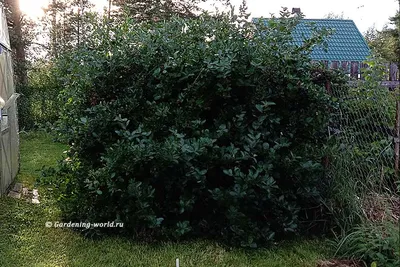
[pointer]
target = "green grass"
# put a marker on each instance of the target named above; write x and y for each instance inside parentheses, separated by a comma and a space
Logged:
(37, 150)
(25, 241)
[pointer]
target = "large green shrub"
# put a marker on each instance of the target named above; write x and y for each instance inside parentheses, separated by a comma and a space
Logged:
(195, 128)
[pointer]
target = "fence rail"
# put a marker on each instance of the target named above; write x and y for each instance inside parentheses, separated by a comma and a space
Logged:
(389, 84)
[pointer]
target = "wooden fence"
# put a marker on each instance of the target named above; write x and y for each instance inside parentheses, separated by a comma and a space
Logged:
(354, 70)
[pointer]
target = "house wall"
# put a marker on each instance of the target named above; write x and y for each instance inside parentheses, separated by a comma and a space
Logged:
(9, 137)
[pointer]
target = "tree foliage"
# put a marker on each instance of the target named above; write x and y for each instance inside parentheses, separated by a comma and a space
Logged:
(332, 15)
(386, 42)
(382, 43)
(67, 24)
(147, 10)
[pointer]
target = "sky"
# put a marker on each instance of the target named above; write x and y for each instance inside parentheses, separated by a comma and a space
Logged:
(364, 13)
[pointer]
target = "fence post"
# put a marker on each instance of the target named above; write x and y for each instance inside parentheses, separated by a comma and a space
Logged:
(396, 140)
(328, 88)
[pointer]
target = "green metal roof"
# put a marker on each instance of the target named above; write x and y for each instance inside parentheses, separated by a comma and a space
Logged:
(345, 44)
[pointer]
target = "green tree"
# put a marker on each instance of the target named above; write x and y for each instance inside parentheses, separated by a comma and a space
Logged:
(146, 10)
(20, 38)
(382, 43)
(67, 24)
(386, 43)
(332, 15)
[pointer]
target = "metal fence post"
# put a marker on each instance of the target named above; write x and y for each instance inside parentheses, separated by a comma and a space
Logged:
(397, 139)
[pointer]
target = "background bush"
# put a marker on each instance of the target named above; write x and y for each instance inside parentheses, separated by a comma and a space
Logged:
(192, 128)
(39, 105)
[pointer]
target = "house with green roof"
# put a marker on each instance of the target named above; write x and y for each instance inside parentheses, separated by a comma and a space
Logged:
(346, 48)
(345, 44)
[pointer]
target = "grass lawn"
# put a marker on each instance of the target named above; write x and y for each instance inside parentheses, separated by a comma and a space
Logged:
(25, 241)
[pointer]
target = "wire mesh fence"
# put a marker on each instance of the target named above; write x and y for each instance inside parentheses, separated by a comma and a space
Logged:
(363, 129)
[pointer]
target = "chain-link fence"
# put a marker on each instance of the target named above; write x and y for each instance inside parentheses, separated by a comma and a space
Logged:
(362, 146)
(363, 129)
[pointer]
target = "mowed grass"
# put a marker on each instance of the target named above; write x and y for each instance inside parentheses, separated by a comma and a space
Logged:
(25, 241)
(37, 150)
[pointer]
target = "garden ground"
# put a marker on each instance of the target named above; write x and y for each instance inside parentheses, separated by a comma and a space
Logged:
(25, 241)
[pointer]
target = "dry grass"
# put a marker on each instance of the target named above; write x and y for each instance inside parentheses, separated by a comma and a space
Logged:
(340, 263)
(381, 208)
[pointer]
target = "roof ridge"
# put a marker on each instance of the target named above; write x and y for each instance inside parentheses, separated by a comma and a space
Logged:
(258, 18)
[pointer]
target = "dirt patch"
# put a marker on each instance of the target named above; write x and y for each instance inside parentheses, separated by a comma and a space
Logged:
(340, 263)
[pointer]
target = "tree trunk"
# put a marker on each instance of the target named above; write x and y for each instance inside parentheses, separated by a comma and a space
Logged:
(53, 34)
(18, 44)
